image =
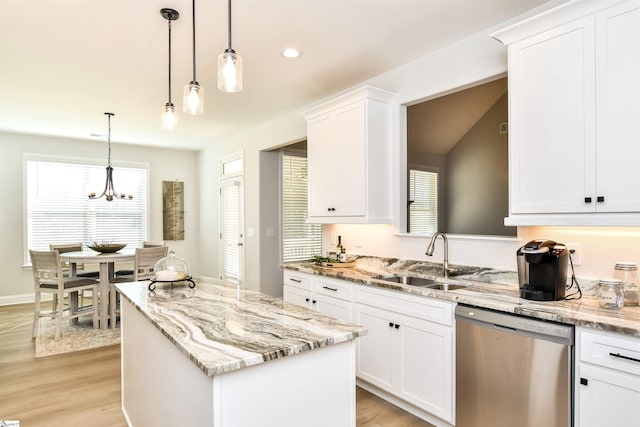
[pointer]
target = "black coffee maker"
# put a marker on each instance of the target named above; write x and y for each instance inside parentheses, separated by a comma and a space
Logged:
(542, 270)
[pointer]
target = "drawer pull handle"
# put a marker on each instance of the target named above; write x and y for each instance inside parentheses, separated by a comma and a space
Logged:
(330, 289)
(295, 280)
(621, 356)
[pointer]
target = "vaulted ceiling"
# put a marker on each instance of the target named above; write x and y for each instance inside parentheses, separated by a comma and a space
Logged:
(65, 62)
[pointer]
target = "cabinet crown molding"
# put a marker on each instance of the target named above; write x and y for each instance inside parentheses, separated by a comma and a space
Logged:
(551, 18)
(364, 92)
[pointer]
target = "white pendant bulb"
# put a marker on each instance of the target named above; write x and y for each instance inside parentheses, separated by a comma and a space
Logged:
(193, 93)
(229, 66)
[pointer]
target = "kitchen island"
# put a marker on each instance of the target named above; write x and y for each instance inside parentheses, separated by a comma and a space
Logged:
(217, 355)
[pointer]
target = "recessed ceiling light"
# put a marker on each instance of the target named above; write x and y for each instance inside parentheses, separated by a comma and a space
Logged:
(291, 53)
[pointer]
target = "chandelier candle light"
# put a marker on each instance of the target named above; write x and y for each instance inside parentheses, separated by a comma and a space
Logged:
(109, 191)
(193, 94)
(169, 118)
(229, 66)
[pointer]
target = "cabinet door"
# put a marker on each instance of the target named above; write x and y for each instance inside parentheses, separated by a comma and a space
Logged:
(426, 366)
(297, 296)
(349, 155)
(618, 108)
(375, 350)
(552, 121)
(333, 307)
(610, 398)
(321, 163)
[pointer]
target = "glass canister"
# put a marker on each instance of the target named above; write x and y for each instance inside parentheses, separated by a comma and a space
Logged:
(610, 293)
(627, 273)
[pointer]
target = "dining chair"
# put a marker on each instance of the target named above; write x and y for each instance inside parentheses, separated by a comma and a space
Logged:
(145, 244)
(66, 266)
(144, 261)
(73, 247)
(48, 277)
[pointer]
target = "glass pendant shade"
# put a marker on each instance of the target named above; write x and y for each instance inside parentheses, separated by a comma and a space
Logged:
(229, 71)
(193, 99)
(169, 117)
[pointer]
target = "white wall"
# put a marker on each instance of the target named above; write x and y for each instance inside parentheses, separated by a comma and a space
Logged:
(16, 282)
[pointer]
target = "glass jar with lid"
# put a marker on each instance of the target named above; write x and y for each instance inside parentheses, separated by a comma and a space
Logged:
(627, 273)
(610, 293)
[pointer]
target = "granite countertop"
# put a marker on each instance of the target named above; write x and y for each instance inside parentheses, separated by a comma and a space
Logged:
(492, 289)
(222, 328)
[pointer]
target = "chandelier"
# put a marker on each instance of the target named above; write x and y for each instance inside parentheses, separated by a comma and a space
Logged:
(109, 192)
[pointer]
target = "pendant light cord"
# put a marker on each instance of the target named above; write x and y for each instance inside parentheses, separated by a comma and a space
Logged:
(169, 20)
(109, 138)
(230, 48)
(193, 10)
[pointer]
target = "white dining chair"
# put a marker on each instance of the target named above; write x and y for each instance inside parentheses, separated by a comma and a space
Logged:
(48, 277)
(145, 260)
(145, 244)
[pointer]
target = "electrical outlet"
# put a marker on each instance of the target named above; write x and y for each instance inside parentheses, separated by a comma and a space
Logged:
(576, 255)
(334, 238)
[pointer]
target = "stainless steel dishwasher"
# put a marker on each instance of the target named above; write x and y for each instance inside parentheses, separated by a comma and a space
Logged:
(512, 370)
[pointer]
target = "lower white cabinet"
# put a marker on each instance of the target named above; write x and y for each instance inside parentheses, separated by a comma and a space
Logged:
(326, 296)
(607, 379)
(404, 352)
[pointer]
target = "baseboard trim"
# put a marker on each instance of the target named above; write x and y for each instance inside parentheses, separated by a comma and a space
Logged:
(22, 299)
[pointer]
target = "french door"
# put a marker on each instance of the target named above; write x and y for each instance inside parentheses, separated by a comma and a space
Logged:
(232, 230)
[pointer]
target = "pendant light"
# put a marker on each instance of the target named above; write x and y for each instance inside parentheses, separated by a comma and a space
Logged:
(229, 67)
(169, 118)
(109, 191)
(193, 94)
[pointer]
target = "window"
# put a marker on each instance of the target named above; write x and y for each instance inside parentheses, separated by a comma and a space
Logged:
(423, 201)
(59, 210)
(300, 240)
(232, 219)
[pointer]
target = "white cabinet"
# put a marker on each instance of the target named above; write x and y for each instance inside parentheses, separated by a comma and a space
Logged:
(409, 349)
(349, 158)
(324, 295)
(574, 133)
(607, 379)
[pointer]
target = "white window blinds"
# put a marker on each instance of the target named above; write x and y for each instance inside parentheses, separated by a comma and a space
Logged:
(300, 240)
(231, 232)
(423, 201)
(60, 211)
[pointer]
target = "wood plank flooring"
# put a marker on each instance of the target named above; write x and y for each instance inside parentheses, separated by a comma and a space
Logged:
(83, 388)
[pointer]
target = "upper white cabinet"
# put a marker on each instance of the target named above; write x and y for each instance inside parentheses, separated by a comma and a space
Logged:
(349, 158)
(574, 143)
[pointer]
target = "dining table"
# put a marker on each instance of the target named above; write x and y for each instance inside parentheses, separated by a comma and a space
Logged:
(107, 265)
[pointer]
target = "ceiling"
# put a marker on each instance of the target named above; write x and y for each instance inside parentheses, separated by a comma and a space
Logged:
(65, 62)
(437, 125)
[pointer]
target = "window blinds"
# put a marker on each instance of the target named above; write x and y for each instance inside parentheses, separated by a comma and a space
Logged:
(300, 240)
(231, 193)
(60, 211)
(423, 197)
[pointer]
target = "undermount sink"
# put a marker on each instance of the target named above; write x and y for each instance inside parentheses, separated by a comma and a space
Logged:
(419, 281)
(406, 280)
(446, 286)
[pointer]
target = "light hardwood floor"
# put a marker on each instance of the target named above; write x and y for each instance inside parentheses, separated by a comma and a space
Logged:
(83, 388)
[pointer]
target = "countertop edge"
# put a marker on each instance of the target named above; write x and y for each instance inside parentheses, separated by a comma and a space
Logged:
(504, 298)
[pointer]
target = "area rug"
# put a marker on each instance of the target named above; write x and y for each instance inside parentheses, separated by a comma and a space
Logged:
(78, 337)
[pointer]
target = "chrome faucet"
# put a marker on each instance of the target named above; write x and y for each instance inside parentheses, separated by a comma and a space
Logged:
(431, 247)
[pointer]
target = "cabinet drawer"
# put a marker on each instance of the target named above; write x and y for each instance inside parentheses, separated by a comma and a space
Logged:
(331, 287)
(299, 280)
(410, 305)
(611, 351)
